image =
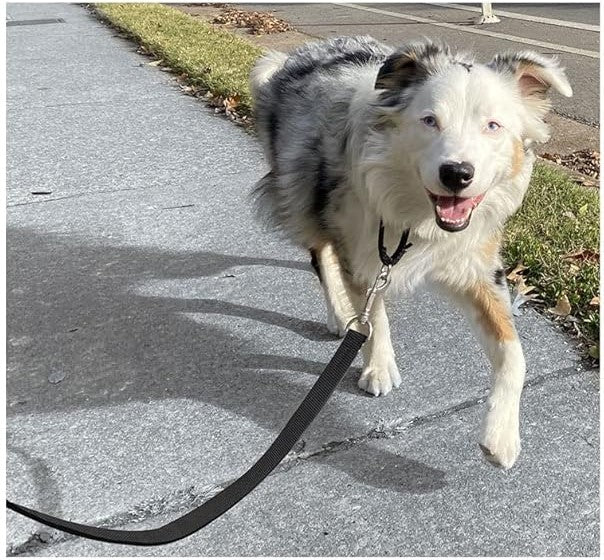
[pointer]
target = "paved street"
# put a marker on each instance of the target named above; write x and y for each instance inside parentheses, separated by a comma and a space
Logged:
(158, 340)
(571, 34)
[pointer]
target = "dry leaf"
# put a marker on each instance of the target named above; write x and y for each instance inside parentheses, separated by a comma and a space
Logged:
(231, 103)
(595, 301)
(522, 287)
(569, 214)
(562, 308)
(583, 255)
(515, 274)
(155, 63)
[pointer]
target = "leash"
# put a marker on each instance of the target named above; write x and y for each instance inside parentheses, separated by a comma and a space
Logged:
(295, 427)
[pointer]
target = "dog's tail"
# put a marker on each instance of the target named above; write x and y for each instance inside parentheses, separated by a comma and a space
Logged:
(264, 68)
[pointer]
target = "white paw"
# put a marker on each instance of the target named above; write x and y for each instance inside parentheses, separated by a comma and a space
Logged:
(378, 378)
(500, 441)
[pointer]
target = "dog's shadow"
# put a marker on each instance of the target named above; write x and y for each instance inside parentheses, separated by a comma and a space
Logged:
(71, 306)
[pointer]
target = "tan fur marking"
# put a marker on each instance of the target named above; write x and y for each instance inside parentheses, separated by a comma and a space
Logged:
(490, 249)
(492, 313)
(517, 158)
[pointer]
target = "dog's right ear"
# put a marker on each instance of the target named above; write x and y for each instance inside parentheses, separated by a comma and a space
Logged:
(410, 64)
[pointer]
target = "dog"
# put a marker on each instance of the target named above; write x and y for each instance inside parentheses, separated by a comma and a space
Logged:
(420, 138)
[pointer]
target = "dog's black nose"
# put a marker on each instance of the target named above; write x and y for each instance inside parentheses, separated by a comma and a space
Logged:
(456, 176)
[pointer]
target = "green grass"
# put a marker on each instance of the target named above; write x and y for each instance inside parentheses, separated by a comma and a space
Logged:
(211, 58)
(557, 218)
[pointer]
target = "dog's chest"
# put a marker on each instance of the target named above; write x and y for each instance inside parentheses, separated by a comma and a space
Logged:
(451, 264)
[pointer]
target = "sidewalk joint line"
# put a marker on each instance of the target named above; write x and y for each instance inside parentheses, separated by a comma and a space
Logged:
(189, 499)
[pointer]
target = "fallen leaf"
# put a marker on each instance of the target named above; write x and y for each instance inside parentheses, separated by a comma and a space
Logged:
(522, 288)
(518, 300)
(595, 301)
(231, 103)
(583, 255)
(515, 274)
(569, 214)
(155, 62)
(562, 308)
(594, 351)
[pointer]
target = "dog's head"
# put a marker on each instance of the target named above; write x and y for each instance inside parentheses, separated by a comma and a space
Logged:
(463, 127)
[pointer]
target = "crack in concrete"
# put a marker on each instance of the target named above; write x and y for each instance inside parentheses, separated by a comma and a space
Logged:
(79, 195)
(191, 498)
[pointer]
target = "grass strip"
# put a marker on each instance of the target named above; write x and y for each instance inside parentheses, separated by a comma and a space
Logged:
(557, 220)
(558, 217)
(211, 58)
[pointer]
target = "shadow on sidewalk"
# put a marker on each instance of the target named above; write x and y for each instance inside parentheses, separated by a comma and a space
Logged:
(70, 308)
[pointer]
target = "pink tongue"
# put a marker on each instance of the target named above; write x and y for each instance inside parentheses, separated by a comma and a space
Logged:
(454, 208)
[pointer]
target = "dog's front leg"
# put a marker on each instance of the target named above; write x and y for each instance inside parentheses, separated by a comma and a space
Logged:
(380, 373)
(488, 305)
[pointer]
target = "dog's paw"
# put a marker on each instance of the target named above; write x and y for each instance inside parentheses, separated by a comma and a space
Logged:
(380, 378)
(500, 441)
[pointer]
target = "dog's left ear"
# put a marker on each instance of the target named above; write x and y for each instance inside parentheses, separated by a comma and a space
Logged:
(534, 74)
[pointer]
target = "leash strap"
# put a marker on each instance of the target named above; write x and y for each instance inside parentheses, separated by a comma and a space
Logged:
(225, 500)
(391, 260)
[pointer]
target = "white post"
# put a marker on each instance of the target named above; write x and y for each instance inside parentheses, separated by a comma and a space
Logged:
(487, 14)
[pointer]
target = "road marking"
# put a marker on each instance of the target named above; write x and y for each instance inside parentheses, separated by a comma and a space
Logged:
(504, 36)
(524, 17)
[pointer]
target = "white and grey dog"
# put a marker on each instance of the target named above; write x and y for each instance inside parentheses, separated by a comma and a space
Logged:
(423, 139)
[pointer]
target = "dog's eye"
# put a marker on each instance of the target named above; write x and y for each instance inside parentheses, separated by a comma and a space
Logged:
(430, 121)
(493, 126)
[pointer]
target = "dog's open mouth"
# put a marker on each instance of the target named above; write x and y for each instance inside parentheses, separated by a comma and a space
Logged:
(453, 213)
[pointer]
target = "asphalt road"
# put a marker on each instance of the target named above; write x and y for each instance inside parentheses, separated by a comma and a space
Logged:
(158, 340)
(577, 48)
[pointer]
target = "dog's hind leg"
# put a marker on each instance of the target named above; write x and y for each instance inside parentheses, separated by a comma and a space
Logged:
(339, 306)
(487, 304)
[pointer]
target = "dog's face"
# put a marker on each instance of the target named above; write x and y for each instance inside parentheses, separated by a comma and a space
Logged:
(464, 126)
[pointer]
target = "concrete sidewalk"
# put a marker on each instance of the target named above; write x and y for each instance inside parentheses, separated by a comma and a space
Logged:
(158, 341)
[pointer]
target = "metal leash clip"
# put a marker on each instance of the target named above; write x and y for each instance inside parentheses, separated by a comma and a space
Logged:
(382, 280)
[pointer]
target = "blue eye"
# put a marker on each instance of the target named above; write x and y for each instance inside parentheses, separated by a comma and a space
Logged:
(430, 121)
(493, 126)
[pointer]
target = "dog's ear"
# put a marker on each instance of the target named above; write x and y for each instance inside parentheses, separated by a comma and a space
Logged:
(534, 74)
(410, 64)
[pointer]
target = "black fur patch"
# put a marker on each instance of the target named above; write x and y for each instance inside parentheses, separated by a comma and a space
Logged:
(325, 185)
(409, 65)
(500, 277)
(314, 261)
(466, 65)
(301, 69)
(272, 125)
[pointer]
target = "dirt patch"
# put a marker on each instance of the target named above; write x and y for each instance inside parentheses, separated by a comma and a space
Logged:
(585, 162)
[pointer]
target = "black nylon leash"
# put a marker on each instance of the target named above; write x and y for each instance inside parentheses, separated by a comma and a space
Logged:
(223, 501)
(391, 260)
